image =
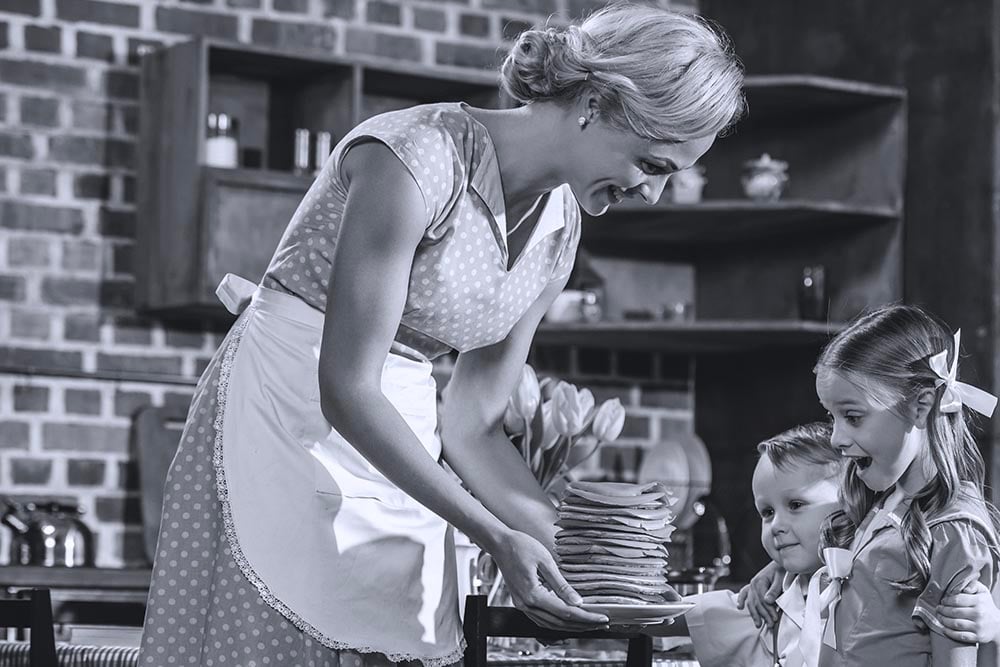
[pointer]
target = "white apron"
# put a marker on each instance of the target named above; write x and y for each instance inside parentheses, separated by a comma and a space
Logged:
(327, 540)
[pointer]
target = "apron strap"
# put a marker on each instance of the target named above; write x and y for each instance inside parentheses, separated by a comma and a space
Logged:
(235, 292)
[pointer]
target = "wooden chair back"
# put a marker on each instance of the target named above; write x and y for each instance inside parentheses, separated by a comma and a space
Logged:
(32, 609)
(482, 621)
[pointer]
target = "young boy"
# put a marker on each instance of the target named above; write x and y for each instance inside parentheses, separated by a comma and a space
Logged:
(795, 487)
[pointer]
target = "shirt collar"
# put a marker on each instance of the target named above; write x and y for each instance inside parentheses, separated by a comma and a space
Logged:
(485, 178)
(551, 219)
(792, 600)
(485, 181)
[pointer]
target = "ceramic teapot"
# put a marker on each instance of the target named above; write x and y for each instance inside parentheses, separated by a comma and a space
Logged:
(48, 534)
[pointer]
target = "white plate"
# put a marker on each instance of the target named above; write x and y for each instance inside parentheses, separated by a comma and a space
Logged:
(640, 613)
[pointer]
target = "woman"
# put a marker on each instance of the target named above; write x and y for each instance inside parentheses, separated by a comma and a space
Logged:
(306, 513)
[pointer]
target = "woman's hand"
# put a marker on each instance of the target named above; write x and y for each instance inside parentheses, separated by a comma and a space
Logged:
(537, 587)
(759, 595)
(970, 616)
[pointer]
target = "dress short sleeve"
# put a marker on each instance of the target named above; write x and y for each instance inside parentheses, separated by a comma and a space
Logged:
(567, 254)
(960, 555)
(424, 146)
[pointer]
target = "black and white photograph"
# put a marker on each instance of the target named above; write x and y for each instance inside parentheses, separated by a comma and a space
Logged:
(499, 333)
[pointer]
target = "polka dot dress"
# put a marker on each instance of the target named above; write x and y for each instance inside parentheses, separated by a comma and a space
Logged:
(461, 295)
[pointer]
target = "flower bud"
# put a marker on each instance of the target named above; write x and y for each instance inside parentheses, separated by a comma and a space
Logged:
(609, 420)
(513, 423)
(570, 408)
(526, 396)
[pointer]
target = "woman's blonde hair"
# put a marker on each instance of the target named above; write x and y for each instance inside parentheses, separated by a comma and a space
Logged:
(886, 354)
(664, 75)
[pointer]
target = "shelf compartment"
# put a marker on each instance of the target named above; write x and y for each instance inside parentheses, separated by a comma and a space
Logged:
(249, 210)
(723, 221)
(844, 141)
(704, 336)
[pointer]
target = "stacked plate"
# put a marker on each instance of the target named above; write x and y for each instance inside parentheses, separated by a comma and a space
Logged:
(612, 545)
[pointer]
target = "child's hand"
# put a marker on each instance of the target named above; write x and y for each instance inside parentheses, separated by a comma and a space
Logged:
(970, 616)
(759, 595)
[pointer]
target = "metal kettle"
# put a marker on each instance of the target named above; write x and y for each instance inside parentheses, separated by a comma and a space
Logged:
(48, 534)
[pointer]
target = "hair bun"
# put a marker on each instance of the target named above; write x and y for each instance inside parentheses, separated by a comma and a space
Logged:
(544, 64)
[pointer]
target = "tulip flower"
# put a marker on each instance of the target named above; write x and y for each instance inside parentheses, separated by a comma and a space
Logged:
(546, 420)
(547, 385)
(527, 394)
(567, 410)
(513, 423)
(549, 435)
(571, 409)
(609, 420)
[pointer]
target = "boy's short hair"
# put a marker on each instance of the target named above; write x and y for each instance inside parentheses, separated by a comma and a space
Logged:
(805, 444)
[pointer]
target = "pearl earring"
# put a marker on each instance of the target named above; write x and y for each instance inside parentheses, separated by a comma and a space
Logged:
(582, 122)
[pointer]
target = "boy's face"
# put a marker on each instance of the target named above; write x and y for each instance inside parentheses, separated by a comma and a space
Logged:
(792, 503)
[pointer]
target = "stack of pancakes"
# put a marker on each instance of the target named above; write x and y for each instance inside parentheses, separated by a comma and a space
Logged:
(612, 542)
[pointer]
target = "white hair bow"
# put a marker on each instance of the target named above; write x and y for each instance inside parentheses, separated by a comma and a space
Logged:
(956, 394)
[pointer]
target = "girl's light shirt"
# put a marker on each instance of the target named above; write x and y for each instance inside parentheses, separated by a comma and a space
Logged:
(461, 294)
(878, 624)
(725, 636)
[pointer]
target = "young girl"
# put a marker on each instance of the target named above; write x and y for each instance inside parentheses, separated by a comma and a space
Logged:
(914, 527)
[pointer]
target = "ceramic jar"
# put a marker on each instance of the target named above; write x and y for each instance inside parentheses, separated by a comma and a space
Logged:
(764, 179)
(686, 185)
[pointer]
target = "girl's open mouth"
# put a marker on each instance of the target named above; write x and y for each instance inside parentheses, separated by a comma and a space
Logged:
(863, 462)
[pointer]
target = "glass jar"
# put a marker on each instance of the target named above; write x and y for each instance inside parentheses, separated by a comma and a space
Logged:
(221, 143)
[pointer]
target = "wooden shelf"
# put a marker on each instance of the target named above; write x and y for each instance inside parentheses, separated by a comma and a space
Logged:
(798, 95)
(704, 336)
(261, 178)
(728, 220)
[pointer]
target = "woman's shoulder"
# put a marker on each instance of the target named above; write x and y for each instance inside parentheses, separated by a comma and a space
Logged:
(443, 125)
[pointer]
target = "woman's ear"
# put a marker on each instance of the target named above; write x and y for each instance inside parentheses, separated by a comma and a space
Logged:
(588, 107)
(921, 406)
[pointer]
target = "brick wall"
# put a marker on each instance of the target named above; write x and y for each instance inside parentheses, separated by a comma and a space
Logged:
(76, 361)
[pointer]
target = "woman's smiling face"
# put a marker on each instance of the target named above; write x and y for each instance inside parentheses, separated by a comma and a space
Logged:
(610, 165)
(882, 440)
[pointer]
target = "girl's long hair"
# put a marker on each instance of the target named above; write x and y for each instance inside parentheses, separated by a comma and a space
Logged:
(886, 354)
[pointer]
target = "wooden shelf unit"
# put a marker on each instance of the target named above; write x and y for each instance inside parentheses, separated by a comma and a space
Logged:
(842, 207)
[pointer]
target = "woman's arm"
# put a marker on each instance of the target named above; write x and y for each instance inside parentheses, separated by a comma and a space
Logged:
(472, 435)
(971, 615)
(760, 594)
(382, 225)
